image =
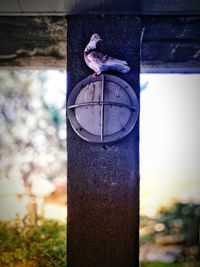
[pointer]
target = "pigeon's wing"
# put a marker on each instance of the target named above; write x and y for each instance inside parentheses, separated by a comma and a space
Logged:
(98, 57)
(100, 62)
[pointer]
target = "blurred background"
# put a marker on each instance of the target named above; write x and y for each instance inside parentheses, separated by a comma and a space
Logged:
(170, 170)
(32, 143)
(32, 168)
(33, 201)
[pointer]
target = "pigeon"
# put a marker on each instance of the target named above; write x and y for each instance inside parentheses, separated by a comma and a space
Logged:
(100, 62)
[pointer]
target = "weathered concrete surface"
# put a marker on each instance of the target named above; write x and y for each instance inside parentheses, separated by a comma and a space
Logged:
(33, 42)
(103, 181)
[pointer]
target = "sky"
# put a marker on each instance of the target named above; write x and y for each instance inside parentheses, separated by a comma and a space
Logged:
(169, 140)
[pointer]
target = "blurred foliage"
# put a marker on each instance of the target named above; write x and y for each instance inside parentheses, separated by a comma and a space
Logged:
(176, 228)
(32, 128)
(25, 243)
(32, 147)
(182, 222)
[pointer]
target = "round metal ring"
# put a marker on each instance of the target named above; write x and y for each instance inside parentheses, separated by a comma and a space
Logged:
(102, 109)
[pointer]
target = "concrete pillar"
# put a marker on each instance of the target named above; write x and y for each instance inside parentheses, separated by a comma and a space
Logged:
(103, 180)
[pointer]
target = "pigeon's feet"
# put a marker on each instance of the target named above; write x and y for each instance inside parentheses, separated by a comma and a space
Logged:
(94, 75)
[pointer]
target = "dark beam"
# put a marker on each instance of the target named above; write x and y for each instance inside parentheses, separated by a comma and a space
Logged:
(103, 180)
(170, 43)
(77, 7)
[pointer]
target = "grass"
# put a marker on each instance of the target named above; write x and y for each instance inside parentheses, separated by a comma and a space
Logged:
(158, 264)
(29, 244)
(41, 243)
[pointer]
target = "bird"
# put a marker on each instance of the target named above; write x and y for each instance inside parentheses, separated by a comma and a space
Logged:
(100, 62)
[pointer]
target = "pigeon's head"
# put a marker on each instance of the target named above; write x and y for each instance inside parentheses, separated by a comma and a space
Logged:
(95, 38)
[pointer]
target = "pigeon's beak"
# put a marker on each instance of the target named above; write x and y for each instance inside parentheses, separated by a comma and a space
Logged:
(100, 40)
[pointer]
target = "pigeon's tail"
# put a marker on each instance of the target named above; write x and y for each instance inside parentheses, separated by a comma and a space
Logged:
(117, 64)
(124, 68)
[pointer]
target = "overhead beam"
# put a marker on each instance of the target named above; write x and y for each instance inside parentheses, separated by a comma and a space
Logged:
(33, 42)
(170, 43)
(74, 7)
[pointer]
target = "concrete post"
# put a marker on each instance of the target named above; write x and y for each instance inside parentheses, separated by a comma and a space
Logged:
(103, 180)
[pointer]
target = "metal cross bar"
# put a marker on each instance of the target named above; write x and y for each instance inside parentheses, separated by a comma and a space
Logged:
(102, 107)
(102, 103)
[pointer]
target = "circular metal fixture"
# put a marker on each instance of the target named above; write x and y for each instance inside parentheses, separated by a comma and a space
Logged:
(102, 109)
